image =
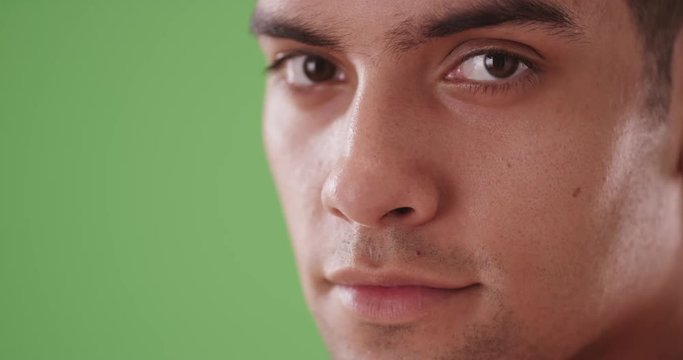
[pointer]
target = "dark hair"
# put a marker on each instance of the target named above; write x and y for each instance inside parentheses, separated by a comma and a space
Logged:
(659, 22)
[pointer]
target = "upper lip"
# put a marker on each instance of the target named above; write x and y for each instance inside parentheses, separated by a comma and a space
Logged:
(393, 278)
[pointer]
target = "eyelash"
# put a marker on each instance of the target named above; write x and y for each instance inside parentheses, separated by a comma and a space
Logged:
(282, 59)
(473, 87)
(501, 87)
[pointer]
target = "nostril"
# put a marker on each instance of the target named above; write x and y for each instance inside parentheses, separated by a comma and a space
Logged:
(338, 213)
(402, 211)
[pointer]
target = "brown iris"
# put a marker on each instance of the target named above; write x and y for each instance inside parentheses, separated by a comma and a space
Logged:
(501, 65)
(317, 69)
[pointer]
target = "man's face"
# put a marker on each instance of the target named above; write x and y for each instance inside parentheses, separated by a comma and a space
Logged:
(468, 179)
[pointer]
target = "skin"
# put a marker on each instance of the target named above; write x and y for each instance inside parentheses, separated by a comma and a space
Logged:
(558, 193)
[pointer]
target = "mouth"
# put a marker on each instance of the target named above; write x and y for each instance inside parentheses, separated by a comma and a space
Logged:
(394, 298)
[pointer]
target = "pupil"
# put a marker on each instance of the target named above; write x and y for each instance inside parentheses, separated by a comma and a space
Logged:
(318, 69)
(501, 65)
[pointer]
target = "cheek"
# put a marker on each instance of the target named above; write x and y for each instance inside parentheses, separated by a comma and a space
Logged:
(299, 163)
(558, 219)
(546, 209)
(544, 215)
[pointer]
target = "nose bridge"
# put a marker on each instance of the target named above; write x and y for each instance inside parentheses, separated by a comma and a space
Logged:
(372, 130)
(381, 136)
(380, 120)
(379, 178)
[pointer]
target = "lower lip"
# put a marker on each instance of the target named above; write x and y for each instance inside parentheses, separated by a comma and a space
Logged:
(394, 304)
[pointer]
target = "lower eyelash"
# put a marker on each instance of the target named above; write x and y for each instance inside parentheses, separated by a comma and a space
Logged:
(528, 78)
(501, 88)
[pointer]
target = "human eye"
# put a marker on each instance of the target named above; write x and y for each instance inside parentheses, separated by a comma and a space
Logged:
(491, 67)
(304, 71)
(493, 70)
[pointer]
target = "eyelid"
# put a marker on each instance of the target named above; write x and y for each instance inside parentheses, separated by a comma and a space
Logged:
(282, 57)
(523, 59)
(469, 49)
(282, 69)
(486, 91)
(467, 71)
(529, 64)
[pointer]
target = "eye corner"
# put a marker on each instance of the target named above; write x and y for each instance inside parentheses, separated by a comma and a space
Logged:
(490, 66)
(470, 79)
(302, 69)
(281, 58)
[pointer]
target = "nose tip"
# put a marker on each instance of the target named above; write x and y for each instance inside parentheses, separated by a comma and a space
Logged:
(371, 198)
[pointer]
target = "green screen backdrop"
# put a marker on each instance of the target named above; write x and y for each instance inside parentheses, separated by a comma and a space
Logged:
(137, 216)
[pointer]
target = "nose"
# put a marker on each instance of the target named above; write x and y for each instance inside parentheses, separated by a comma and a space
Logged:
(382, 177)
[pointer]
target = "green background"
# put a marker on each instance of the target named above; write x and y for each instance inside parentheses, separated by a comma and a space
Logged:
(137, 216)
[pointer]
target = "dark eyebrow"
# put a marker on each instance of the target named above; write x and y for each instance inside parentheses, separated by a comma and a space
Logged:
(498, 12)
(410, 33)
(297, 29)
